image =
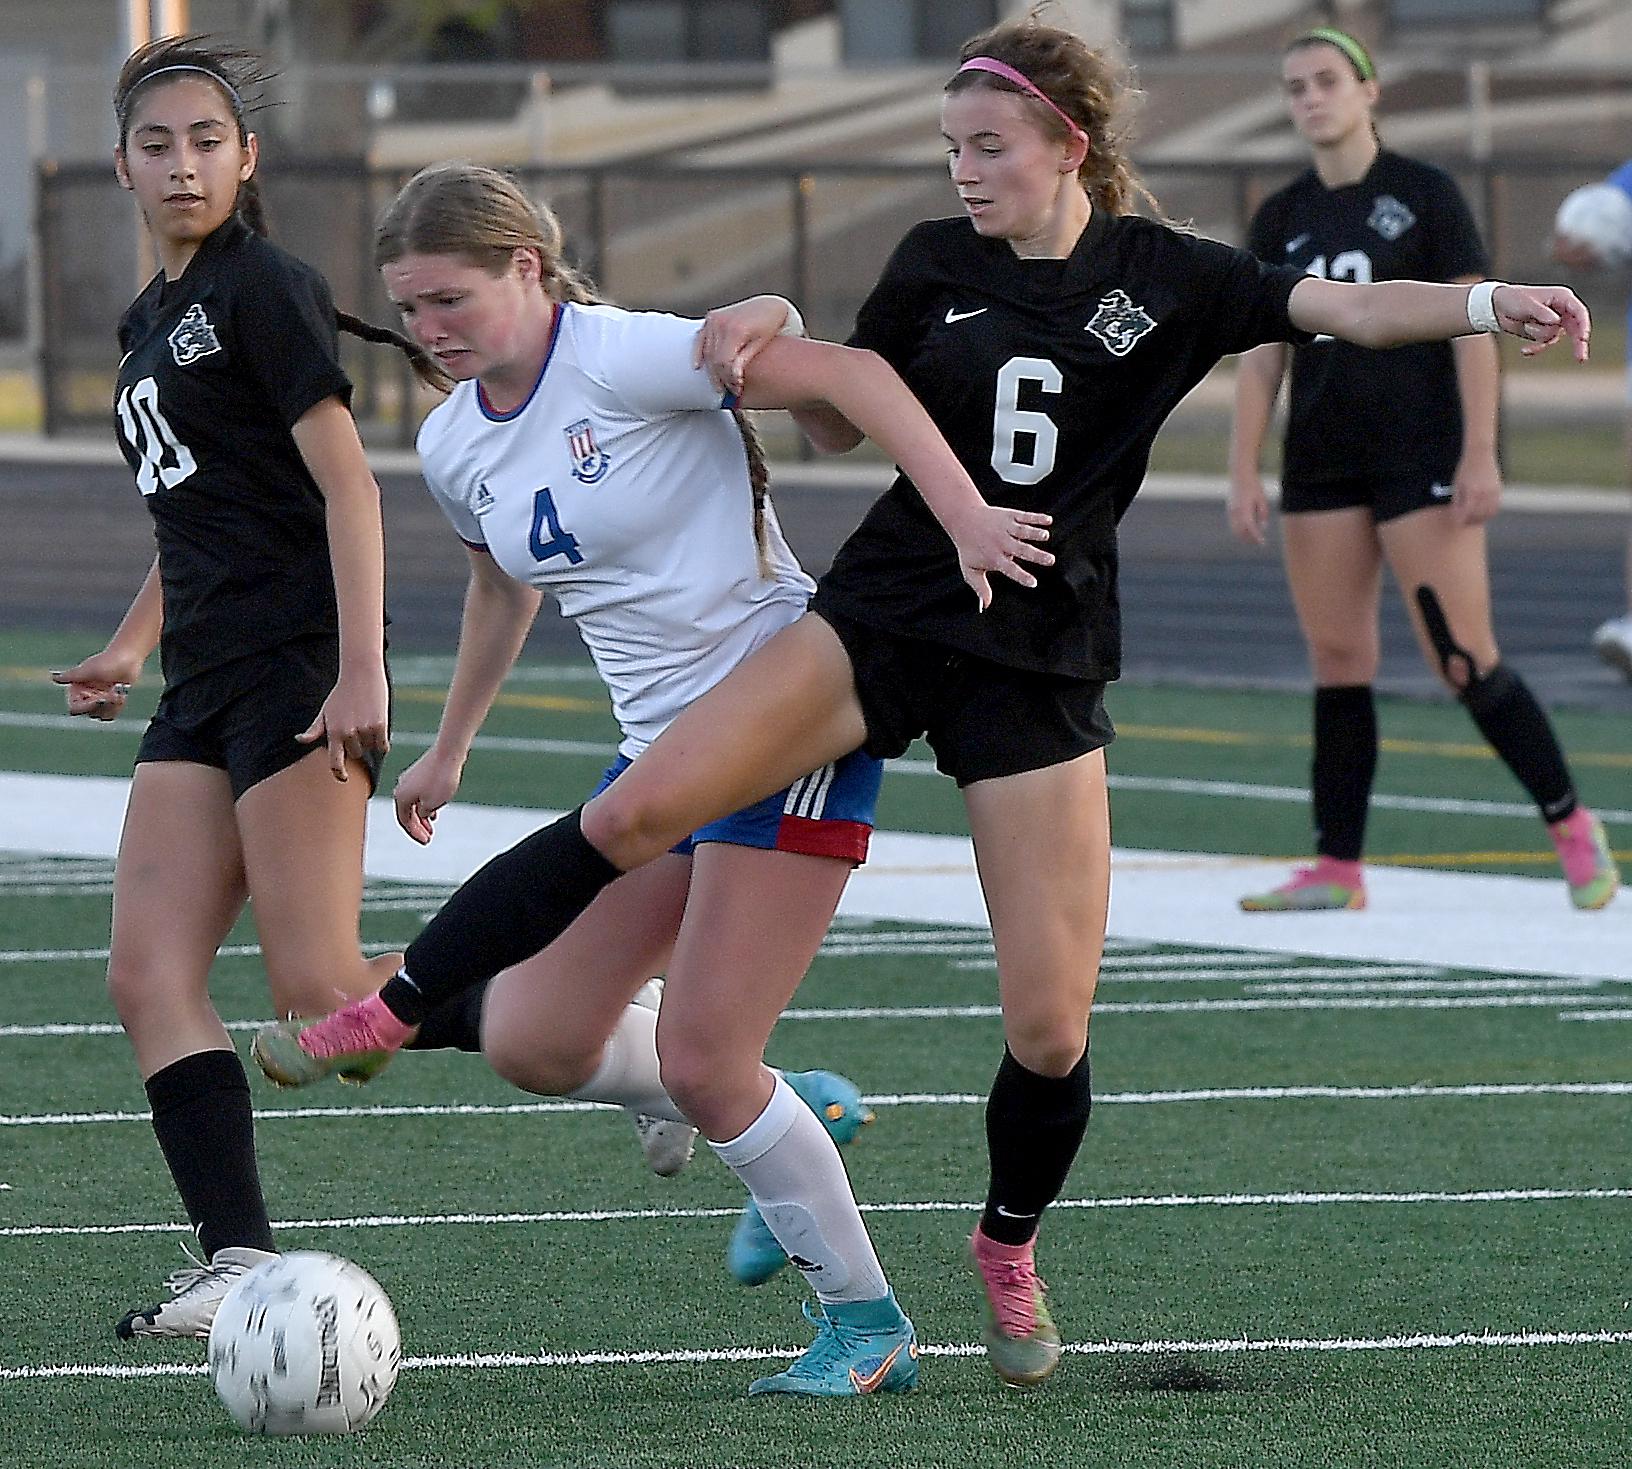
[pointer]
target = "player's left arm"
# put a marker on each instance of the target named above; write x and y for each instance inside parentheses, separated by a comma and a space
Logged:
(354, 719)
(1393, 313)
(1478, 479)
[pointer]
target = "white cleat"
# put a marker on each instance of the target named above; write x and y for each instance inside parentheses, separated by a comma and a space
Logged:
(666, 1145)
(1613, 643)
(195, 1294)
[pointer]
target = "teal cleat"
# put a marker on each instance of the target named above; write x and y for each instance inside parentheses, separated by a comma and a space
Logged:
(861, 1348)
(753, 1255)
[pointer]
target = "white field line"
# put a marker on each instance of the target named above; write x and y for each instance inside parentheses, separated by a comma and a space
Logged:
(1296, 1198)
(1271, 1004)
(1591, 1015)
(1404, 986)
(1223, 1346)
(1416, 1092)
(1211, 976)
(1159, 785)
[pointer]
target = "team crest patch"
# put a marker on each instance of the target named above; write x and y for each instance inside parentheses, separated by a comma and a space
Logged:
(589, 460)
(1119, 323)
(193, 337)
(1389, 217)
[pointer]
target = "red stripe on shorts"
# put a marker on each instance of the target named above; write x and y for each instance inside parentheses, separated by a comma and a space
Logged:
(828, 838)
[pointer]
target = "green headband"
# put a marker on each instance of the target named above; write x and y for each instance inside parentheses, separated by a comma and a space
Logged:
(1358, 56)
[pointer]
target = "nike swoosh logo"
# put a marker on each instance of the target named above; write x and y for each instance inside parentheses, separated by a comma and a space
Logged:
(953, 314)
(873, 1380)
(1298, 243)
(1442, 492)
(1010, 1214)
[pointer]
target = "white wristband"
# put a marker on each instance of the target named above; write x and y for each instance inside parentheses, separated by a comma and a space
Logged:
(1481, 313)
(794, 326)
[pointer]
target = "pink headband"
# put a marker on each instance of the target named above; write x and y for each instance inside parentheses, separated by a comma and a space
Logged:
(1009, 74)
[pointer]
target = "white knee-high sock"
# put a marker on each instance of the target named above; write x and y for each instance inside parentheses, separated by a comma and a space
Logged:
(628, 1074)
(792, 1168)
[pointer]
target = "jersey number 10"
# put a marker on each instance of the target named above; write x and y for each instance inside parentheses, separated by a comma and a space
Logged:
(148, 432)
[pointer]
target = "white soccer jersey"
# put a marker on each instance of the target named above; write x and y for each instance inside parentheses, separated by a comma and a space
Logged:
(620, 487)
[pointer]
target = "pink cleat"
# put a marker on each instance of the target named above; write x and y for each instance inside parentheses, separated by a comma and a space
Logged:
(1022, 1341)
(1589, 865)
(1331, 884)
(354, 1044)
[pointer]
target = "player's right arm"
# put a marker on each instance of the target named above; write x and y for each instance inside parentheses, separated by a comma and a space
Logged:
(498, 613)
(795, 373)
(1258, 376)
(97, 685)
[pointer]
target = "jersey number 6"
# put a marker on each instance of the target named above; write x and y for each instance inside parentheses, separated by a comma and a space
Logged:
(1010, 421)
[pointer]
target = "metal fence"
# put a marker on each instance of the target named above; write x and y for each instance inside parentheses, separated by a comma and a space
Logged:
(658, 235)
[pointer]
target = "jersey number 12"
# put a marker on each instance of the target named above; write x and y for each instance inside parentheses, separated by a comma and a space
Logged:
(148, 432)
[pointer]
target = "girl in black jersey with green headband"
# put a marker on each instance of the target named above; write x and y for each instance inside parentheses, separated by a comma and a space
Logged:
(1390, 457)
(1049, 331)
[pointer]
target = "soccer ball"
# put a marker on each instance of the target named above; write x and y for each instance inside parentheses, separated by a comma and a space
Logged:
(1598, 217)
(304, 1343)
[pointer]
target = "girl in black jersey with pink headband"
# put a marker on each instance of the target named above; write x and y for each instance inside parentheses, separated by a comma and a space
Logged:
(1049, 331)
(1362, 485)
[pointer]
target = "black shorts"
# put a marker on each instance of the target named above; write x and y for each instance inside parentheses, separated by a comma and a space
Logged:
(243, 717)
(982, 719)
(1387, 498)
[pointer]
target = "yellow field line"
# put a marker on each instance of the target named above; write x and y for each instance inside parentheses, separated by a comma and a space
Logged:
(1442, 749)
(562, 703)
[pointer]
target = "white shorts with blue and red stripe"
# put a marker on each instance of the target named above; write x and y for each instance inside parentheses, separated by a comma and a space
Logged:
(828, 813)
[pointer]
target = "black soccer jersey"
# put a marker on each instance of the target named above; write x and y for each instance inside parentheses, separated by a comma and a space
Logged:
(1357, 412)
(219, 364)
(1049, 380)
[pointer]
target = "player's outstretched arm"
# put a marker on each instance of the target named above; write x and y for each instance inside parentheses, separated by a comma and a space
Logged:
(498, 613)
(794, 373)
(1392, 313)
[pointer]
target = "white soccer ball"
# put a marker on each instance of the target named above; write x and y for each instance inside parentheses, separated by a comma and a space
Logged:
(304, 1343)
(1599, 218)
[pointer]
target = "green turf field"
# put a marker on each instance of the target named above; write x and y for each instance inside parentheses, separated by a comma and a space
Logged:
(1314, 1235)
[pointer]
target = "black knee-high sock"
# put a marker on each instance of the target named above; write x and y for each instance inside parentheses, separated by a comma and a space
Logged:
(1517, 727)
(206, 1131)
(455, 1025)
(1034, 1127)
(1343, 768)
(504, 913)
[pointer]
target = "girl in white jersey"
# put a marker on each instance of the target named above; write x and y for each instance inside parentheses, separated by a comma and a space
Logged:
(584, 454)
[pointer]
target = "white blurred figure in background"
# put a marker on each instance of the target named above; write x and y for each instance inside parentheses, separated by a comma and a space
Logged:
(1593, 231)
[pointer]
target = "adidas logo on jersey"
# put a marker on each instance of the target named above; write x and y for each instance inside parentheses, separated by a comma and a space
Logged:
(1119, 323)
(193, 337)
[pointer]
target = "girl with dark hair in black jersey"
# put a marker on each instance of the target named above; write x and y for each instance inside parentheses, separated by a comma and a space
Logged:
(1390, 457)
(1049, 331)
(266, 603)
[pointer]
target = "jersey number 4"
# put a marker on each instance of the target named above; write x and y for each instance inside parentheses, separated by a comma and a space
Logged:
(560, 543)
(165, 459)
(1015, 428)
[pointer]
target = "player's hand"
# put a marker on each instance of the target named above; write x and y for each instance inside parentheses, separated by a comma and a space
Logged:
(97, 686)
(1247, 509)
(732, 336)
(354, 721)
(423, 789)
(1542, 315)
(1476, 489)
(1001, 540)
